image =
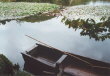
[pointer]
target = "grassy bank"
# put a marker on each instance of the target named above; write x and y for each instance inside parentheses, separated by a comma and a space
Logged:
(7, 68)
(13, 10)
(4, 62)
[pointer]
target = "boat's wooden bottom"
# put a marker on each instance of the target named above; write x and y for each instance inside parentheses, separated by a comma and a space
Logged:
(74, 71)
(79, 68)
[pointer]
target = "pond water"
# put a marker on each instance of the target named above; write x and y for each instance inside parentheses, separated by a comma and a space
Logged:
(51, 31)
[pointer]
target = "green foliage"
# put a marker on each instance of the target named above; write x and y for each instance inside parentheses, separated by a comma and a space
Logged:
(4, 71)
(3, 63)
(98, 31)
(22, 73)
(93, 21)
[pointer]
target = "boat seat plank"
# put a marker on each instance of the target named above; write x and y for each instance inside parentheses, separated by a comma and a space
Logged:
(62, 58)
(43, 60)
(46, 61)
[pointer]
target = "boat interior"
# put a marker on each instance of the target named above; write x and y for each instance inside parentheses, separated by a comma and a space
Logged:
(47, 55)
(70, 64)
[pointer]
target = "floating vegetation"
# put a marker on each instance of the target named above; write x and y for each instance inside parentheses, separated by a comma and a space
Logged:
(84, 12)
(13, 10)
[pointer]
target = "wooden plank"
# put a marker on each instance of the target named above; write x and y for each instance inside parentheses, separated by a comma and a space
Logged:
(62, 58)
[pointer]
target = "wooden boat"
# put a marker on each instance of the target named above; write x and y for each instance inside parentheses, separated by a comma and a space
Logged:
(46, 60)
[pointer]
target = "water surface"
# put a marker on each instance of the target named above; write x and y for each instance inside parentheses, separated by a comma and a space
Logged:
(52, 32)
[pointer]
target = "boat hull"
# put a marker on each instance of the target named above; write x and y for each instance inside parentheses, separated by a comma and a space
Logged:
(69, 63)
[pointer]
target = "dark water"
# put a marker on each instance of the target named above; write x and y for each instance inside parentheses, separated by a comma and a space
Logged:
(52, 31)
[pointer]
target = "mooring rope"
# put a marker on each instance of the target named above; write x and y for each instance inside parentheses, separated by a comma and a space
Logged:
(90, 64)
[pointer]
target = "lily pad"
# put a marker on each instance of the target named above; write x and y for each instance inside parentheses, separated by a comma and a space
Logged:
(13, 10)
(97, 12)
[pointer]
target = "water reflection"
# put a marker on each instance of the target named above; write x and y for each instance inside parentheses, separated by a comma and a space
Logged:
(53, 32)
(99, 2)
(31, 19)
(36, 18)
(4, 22)
(98, 31)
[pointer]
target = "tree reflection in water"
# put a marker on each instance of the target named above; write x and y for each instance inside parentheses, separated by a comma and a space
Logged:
(98, 31)
(4, 22)
(32, 19)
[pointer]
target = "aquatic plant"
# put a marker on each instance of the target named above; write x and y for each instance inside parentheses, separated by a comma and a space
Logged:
(84, 12)
(13, 10)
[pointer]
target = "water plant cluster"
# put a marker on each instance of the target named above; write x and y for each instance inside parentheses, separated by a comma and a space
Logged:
(84, 12)
(13, 10)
